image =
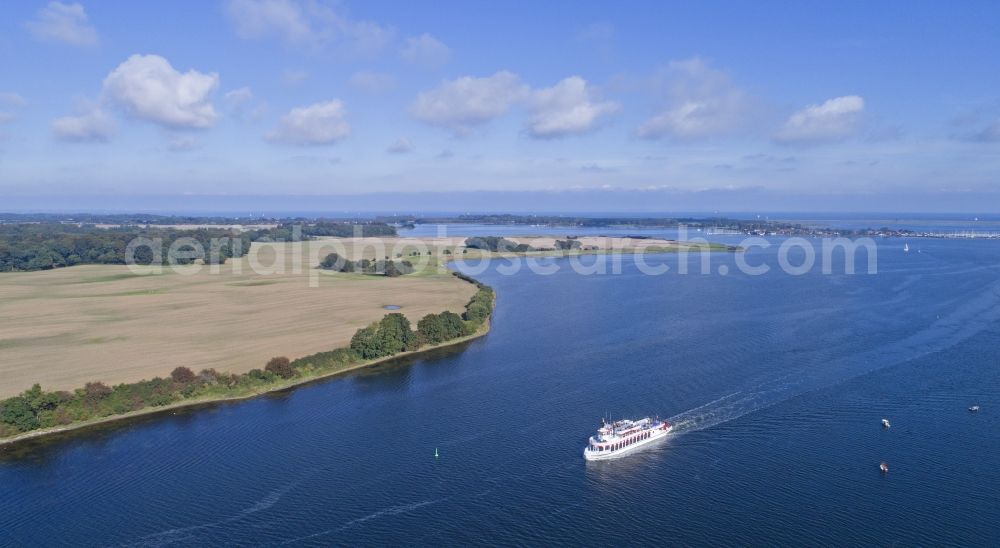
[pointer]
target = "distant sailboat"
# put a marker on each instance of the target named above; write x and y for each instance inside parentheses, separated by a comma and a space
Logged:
(906, 248)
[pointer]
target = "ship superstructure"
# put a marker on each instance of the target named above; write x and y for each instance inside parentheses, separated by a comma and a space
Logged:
(617, 438)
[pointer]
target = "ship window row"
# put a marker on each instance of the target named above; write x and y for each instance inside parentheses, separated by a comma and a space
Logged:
(622, 444)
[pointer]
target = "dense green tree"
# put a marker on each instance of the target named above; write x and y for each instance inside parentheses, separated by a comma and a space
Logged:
(480, 306)
(438, 328)
(431, 329)
(17, 413)
(395, 333)
(454, 327)
(568, 244)
(477, 312)
(365, 342)
(333, 261)
(391, 335)
(39, 400)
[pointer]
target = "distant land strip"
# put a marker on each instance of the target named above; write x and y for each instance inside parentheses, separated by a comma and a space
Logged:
(718, 225)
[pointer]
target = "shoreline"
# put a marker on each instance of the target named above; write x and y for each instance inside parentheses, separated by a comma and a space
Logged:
(292, 384)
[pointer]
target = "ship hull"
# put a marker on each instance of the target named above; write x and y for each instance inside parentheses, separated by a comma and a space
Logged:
(655, 436)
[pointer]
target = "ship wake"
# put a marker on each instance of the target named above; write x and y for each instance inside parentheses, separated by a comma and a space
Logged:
(972, 317)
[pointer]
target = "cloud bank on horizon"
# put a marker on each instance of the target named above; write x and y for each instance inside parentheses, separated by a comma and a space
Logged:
(323, 97)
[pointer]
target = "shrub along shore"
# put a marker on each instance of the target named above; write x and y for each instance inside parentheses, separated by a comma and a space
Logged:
(36, 412)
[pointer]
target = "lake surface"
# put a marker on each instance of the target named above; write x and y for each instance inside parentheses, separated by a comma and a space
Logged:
(476, 229)
(776, 384)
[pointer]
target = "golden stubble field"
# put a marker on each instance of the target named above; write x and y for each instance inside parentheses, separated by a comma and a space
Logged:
(62, 328)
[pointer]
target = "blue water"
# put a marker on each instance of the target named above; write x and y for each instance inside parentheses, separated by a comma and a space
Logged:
(475, 229)
(776, 383)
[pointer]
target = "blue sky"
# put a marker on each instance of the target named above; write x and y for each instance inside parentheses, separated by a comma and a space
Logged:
(644, 105)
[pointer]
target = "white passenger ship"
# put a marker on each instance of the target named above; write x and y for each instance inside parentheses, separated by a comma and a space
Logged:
(620, 437)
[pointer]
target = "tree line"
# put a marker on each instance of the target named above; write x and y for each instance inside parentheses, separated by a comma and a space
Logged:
(54, 245)
(35, 408)
(153, 219)
(496, 244)
(389, 268)
(294, 231)
(47, 245)
(568, 244)
(394, 334)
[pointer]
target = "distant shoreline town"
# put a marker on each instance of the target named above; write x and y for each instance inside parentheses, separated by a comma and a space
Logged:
(709, 225)
(712, 225)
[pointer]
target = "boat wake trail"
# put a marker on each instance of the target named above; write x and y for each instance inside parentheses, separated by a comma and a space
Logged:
(975, 315)
(730, 407)
(192, 532)
(390, 511)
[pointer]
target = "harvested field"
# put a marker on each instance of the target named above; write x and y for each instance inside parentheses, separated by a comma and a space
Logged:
(62, 328)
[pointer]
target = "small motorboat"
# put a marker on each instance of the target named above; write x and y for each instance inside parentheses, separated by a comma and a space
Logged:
(885, 423)
(883, 467)
(974, 409)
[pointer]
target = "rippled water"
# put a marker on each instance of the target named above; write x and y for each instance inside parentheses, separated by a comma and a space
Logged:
(777, 385)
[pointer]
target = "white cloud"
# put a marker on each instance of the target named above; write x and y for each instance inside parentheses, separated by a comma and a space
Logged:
(308, 22)
(147, 87)
(566, 108)
(373, 82)
(425, 51)
(91, 125)
(835, 119)
(699, 102)
(401, 146)
(466, 103)
(66, 23)
(317, 124)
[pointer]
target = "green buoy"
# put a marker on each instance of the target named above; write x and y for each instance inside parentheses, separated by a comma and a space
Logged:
(436, 455)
